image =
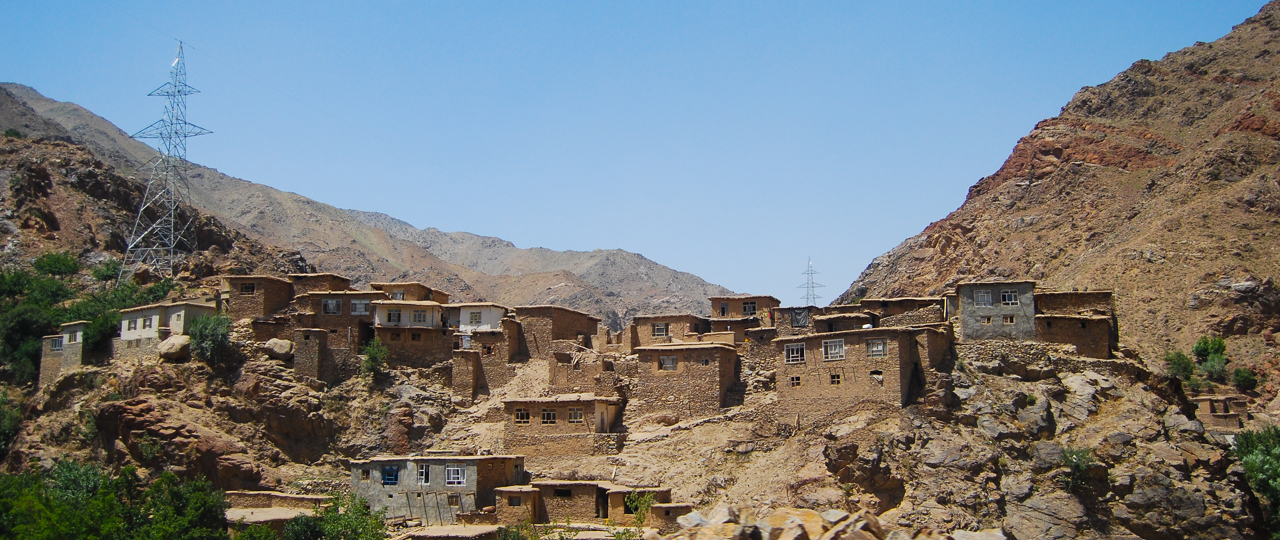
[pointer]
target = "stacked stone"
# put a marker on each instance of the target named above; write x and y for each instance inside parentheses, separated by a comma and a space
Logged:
(729, 523)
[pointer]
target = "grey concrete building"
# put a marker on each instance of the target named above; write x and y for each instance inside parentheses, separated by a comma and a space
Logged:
(997, 310)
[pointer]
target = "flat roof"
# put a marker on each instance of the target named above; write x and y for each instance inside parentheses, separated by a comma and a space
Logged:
(447, 532)
(694, 345)
(190, 302)
(564, 398)
(902, 299)
(743, 297)
(319, 274)
(854, 332)
(997, 282)
(426, 303)
(478, 304)
(379, 459)
(732, 319)
(525, 488)
(381, 284)
(1052, 292)
(261, 515)
(857, 315)
(256, 276)
(319, 293)
(668, 316)
(64, 325)
(1081, 317)
(549, 306)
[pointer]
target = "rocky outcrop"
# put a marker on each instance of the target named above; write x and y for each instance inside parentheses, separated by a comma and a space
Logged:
(175, 348)
(725, 522)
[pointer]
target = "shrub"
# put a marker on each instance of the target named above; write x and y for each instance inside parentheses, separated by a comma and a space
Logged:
(375, 357)
(257, 532)
(1215, 368)
(13, 133)
(211, 339)
(1259, 453)
(75, 482)
(639, 503)
(1206, 346)
(56, 264)
(1077, 461)
(304, 527)
(10, 421)
(1244, 379)
(1179, 365)
(108, 270)
(349, 518)
(100, 330)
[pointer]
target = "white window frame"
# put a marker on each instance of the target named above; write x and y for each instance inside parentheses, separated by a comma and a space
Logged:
(55, 344)
(877, 348)
(419, 316)
(133, 325)
(393, 316)
(833, 349)
(424, 473)
(982, 298)
(660, 329)
(548, 417)
(359, 307)
(1008, 297)
(146, 322)
(455, 474)
(331, 306)
(794, 353)
(473, 317)
(576, 415)
(664, 366)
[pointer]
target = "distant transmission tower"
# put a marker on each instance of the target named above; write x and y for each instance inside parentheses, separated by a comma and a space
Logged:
(159, 233)
(810, 297)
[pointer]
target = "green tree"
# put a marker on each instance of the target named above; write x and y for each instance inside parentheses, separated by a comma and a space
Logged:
(100, 330)
(10, 421)
(211, 339)
(13, 133)
(1179, 365)
(1259, 453)
(304, 527)
(349, 518)
(1244, 379)
(1215, 368)
(257, 532)
(75, 482)
(639, 502)
(1206, 346)
(107, 270)
(191, 510)
(375, 357)
(56, 264)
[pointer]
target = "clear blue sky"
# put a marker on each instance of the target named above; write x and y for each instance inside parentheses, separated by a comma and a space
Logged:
(727, 139)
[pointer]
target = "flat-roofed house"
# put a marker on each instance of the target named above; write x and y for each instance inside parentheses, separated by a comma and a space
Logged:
(253, 297)
(412, 332)
(542, 326)
(667, 328)
(469, 317)
(433, 488)
(563, 424)
(689, 380)
(739, 313)
(411, 290)
(825, 372)
(62, 351)
(158, 321)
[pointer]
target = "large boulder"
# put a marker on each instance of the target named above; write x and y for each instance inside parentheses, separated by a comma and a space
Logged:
(279, 349)
(175, 348)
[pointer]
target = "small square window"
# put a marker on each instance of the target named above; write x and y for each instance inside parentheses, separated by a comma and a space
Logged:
(514, 501)
(488, 349)
(364, 475)
(454, 475)
(575, 415)
(876, 348)
(706, 361)
(986, 320)
(795, 353)
(1008, 319)
(558, 492)
(795, 380)
(332, 307)
(521, 417)
(660, 329)
(548, 416)
(146, 323)
(1008, 297)
(982, 298)
(835, 378)
(833, 349)
(455, 500)
(416, 336)
(667, 363)
(248, 289)
(473, 317)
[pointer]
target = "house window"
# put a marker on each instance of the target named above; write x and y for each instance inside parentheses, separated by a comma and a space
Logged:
(878, 377)
(986, 320)
(835, 378)
(488, 349)
(473, 317)
(660, 329)
(1008, 319)
(332, 307)
(521, 417)
(248, 289)
(177, 317)
(706, 361)
(876, 348)
(424, 473)
(395, 336)
(364, 475)
(800, 318)
(397, 295)
(795, 353)
(667, 363)
(390, 475)
(1008, 297)
(71, 338)
(548, 416)
(133, 324)
(748, 309)
(416, 336)
(833, 349)
(795, 380)
(359, 307)
(982, 298)
(724, 309)
(393, 316)
(575, 415)
(563, 492)
(420, 316)
(146, 323)
(454, 475)
(513, 501)
(455, 500)
(55, 344)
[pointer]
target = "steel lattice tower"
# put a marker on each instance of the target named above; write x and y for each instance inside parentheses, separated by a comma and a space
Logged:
(160, 234)
(810, 297)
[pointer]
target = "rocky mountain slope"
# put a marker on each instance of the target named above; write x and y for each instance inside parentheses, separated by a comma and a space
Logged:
(1160, 184)
(612, 284)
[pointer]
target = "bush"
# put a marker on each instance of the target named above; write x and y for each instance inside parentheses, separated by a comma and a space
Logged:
(1206, 346)
(10, 421)
(100, 330)
(1077, 461)
(1259, 453)
(375, 357)
(1215, 368)
(257, 532)
(1179, 365)
(1244, 379)
(304, 528)
(108, 270)
(211, 339)
(13, 133)
(349, 518)
(56, 264)
(639, 503)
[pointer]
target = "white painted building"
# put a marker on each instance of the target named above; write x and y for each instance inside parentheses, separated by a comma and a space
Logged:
(469, 317)
(145, 322)
(72, 332)
(406, 314)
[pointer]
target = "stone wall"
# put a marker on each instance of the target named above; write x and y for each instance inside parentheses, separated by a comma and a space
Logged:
(50, 362)
(1074, 303)
(693, 390)
(759, 352)
(571, 501)
(270, 296)
(517, 504)
(926, 315)
(579, 444)
(584, 372)
(1091, 335)
(989, 322)
(541, 325)
(677, 326)
(416, 347)
(273, 328)
(134, 350)
(305, 283)
(273, 499)
(466, 370)
(816, 386)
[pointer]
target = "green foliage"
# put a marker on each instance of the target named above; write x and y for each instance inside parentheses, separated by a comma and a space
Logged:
(639, 504)
(75, 482)
(10, 421)
(349, 518)
(108, 270)
(150, 447)
(304, 527)
(100, 330)
(211, 339)
(1259, 452)
(257, 532)
(1197, 384)
(1244, 379)
(56, 264)
(1077, 461)
(1179, 365)
(375, 357)
(20, 345)
(13, 133)
(1206, 346)
(1215, 368)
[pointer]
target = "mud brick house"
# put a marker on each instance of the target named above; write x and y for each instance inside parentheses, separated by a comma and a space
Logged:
(563, 424)
(669, 328)
(824, 372)
(469, 317)
(1221, 413)
(411, 290)
(345, 313)
(1085, 319)
(62, 351)
(739, 313)
(412, 332)
(542, 325)
(888, 307)
(689, 380)
(434, 488)
(255, 297)
(1020, 311)
(584, 501)
(305, 283)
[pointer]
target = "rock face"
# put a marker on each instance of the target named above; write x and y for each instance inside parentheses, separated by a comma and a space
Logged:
(175, 348)
(728, 523)
(1159, 184)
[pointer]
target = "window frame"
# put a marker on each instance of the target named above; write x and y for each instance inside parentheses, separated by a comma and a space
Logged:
(474, 317)
(331, 306)
(419, 316)
(521, 416)
(828, 351)
(1010, 319)
(985, 319)
(390, 475)
(424, 474)
(1008, 297)
(548, 417)
(660, 329)
(455, 474)
(248, 289)
(393, 316)
(132, 325)
(836, 379)
(877, 348)
(751, 312)
(397, 294)
(576, 415)
(794, 381)
(147, 323)
(673, 366)
(789, 357)
(55, 344)
(364, 304)
(982, 298)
